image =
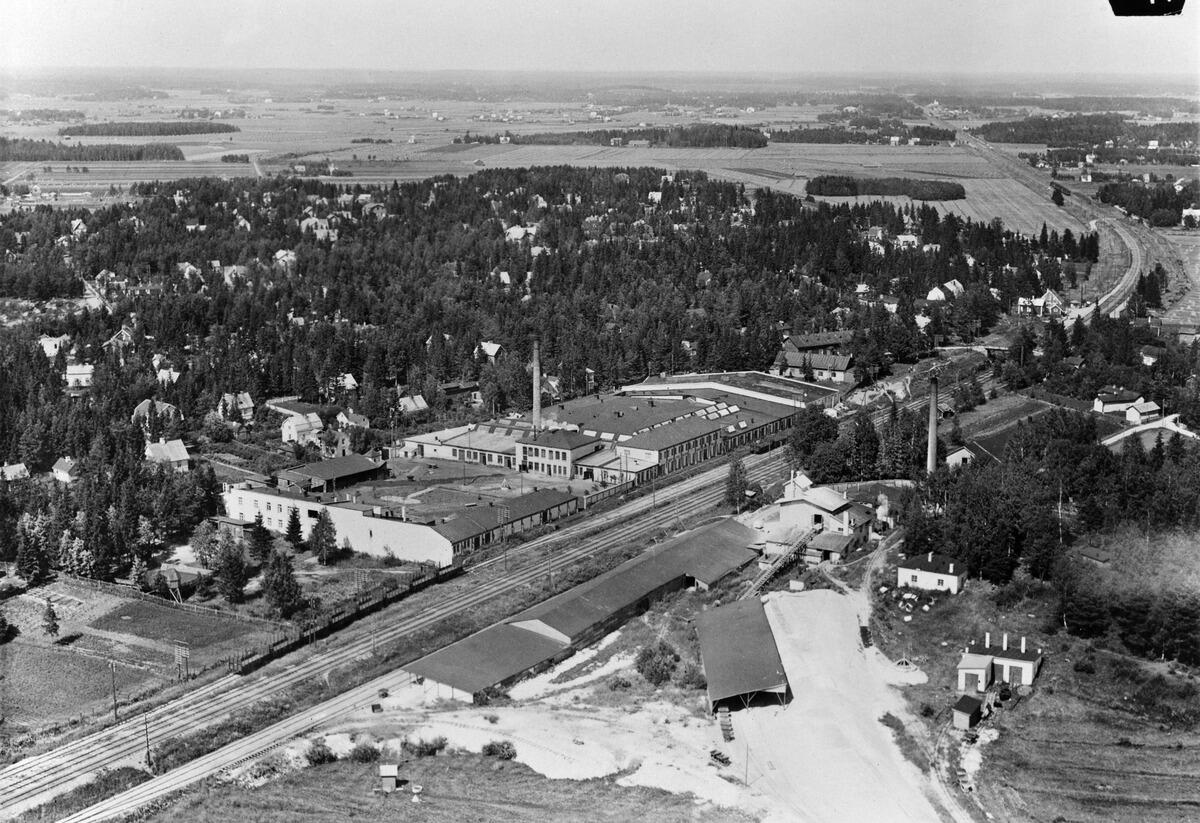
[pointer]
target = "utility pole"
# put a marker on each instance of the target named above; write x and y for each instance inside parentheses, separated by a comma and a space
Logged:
(146, 726)
(112, 668)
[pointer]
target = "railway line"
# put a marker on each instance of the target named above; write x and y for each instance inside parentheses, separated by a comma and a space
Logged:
(35, 780)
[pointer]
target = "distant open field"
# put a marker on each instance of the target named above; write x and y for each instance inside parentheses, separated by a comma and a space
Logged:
(275, 133)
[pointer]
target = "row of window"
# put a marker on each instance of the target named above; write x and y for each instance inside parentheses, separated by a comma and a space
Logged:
(547, 454)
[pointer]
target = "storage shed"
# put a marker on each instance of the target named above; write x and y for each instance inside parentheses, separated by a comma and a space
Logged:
(967, 712)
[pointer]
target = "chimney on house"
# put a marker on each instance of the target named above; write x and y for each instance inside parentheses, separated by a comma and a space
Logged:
(1022, 645)
(987, 640)
(537, 388)
(931, 450)
(930, 557)
(951, 568)
(1005, 646)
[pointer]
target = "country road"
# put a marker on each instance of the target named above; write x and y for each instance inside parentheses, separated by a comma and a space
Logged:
(35, 780)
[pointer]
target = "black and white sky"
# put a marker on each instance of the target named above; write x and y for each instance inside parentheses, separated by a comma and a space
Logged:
(948, 37)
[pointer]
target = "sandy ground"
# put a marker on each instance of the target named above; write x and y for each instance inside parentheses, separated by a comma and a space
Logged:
(826, 756)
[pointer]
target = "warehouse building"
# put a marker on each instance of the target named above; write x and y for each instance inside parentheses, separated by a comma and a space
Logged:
(551, 631)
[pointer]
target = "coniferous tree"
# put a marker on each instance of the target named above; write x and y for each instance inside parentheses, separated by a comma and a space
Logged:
(231, 569)
(260, 540)
(294, 535)
(322, 540)
(280, 586)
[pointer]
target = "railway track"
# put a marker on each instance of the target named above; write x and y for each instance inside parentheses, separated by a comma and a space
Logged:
(37, 779)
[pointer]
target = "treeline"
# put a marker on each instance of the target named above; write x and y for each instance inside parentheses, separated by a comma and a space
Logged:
(863, 130)
(380, 140)
(22, 150)
(138, 128)
(840, 186)
(699, 135)
(1086, 130)
(1156, 107)
(1160, 204)
(235, 158)
(1100, 154)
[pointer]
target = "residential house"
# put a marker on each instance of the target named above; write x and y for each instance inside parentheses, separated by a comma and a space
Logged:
(489, 350)
(1144, 411)
(170, 453)
(79, 377)
(236, 407)
(931, 572)
(836, 368)
(412, 404)
(348, 419)
(165, 412)
(301, 428)
(53, 345)
(65, 470)
(166, 376)
(13, 473)
(120, 341)
(1113, 399)
(907, 241)
(1151, 354)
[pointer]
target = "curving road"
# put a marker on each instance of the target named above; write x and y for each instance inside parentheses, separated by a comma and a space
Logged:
(35, 780)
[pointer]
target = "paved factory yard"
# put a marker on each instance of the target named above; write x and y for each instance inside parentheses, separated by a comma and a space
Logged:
(826, 756)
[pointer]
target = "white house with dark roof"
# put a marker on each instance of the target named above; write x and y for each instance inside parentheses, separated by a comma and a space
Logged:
(1113, 399)
(1016, 664)
(835, 368)
(931, 572)
(349, 419)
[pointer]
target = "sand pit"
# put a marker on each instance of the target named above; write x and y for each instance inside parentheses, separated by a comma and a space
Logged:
(826, 756)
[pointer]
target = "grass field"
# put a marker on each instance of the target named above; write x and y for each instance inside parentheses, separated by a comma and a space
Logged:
(82, 685)
(454, 788)
(163, 623)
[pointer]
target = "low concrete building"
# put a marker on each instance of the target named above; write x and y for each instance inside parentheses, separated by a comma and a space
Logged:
(822, 509)
(931, 572)
(974, 673)
(983, 664)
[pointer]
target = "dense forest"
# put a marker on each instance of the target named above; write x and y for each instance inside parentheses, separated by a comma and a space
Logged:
(609, 282)
(1129, 154)
(1160, 204)
(839, 186)
(146, 128)
(22, 150)
(1087, 130)
(700, 135)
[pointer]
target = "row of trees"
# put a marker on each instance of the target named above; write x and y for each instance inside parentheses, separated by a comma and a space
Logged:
(841, 186)
(1085, 130)
(20, 149)
(146, 128)
(699, 135)
(1161, 204)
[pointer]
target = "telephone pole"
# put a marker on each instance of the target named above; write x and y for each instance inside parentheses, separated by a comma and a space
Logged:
(112, 668)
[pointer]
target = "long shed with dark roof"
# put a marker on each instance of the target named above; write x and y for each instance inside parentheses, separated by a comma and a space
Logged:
(741, 660)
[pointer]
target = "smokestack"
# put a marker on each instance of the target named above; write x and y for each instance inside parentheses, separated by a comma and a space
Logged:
(931, 452)
(537, 388)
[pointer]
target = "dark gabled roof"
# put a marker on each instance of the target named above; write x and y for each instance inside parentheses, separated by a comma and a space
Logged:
(831, 542)
(337, 468)
(738, 650)
(706, 554)
(1112, 394)
(484, 659)
(968, 704)
(479, 520)
(815, 360)
(558, 439)
(819, 339)
(935, 563)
